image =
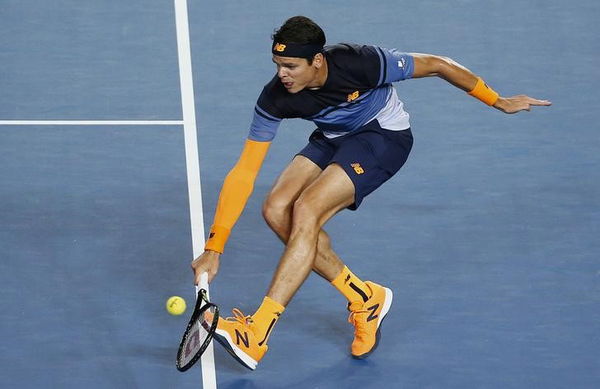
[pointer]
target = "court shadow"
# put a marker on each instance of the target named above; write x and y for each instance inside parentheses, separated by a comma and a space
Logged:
(359, 372)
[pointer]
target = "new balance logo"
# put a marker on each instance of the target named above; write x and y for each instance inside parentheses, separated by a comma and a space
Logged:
(347, 279)
(372, 315)
(357, 168)
(243, 338)
(359, 291)
(279, 47)
(353, 96)
(211, 235)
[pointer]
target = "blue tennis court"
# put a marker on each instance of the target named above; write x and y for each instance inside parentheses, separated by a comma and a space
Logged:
(488, 236)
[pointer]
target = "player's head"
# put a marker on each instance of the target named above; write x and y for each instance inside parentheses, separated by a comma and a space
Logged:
(298, 52)
(299, 36)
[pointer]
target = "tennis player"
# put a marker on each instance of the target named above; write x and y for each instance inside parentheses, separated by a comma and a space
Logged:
(363, 138)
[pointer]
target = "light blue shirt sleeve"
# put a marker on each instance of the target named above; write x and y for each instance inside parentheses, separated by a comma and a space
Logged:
(264, 126)
(395, 65)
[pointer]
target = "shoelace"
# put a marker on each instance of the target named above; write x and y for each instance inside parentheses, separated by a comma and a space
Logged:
(355, 319)
(240, 317)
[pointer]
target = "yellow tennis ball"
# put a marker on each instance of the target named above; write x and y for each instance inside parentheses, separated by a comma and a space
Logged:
(176, 305)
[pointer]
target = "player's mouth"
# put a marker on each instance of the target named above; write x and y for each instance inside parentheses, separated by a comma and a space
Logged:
(287, 85)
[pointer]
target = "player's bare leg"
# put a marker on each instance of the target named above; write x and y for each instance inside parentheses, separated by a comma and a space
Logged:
(330, 192)
(277, 211)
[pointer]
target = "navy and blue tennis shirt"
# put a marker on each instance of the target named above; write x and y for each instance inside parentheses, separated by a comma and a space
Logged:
(358, 89)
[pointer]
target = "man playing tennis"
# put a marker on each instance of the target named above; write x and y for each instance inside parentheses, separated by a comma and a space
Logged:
(362, 139)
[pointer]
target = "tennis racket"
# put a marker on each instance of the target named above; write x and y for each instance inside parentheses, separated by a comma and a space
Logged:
(199, 331)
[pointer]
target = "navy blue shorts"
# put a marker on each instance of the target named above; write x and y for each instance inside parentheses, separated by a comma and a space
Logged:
(370, 155)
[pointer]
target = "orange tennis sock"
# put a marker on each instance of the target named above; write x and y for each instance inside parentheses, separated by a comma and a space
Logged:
(265, 318)
(351, 286)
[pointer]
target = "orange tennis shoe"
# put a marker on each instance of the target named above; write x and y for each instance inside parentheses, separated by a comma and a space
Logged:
(367, 317)
(238, 335)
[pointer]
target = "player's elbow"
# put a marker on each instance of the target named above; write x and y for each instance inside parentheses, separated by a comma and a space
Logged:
(442, 65)
(448, 68)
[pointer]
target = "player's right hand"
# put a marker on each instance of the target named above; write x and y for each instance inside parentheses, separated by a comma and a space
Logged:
(208, 262)
(518, 103)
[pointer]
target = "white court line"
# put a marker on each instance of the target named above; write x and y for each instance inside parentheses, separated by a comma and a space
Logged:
(209, 379)
(90, 122)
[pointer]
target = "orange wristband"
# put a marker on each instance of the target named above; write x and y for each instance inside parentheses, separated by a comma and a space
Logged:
(217, 238)
(484, 92)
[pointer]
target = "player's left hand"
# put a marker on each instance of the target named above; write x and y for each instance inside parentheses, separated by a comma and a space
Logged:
(518, 103)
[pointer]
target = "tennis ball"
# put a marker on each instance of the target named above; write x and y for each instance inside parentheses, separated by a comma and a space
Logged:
(176, 305)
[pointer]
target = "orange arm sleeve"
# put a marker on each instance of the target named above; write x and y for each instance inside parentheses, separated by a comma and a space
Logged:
(236, 190)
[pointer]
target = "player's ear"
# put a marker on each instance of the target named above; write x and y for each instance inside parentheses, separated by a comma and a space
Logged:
(318, 60)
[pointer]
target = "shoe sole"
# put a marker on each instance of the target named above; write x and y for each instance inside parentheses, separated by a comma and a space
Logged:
(389, 296)
(237, 353)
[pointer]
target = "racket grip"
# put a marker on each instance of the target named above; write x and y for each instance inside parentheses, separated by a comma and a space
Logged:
(203, 282)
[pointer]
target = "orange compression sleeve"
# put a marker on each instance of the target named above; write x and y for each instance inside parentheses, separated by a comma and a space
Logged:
(236, 190)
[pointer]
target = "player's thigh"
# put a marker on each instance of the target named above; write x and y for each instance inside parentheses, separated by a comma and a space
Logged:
(329, 193)
(298, 175)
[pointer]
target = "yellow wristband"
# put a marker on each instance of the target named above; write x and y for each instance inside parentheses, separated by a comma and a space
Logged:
(484, 92)
(217, 238)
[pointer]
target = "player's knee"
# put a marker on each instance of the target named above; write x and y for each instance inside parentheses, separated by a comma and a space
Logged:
(276, 211)
(305, 213)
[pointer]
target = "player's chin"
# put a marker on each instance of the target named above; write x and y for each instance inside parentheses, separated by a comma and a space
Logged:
(294, 89)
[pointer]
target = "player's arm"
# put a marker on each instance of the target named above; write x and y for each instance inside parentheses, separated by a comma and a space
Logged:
(427, 65)
(236, 190)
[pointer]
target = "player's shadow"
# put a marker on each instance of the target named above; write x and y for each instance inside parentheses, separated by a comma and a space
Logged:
(361, 372)
(325, 325)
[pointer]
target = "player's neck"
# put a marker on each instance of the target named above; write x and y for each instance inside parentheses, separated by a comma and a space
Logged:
(320, 77)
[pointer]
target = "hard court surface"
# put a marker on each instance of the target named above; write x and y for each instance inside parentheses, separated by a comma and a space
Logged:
(489, 236)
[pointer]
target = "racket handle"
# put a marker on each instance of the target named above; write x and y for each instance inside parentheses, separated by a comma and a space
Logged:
(203, 283)
(204, 280)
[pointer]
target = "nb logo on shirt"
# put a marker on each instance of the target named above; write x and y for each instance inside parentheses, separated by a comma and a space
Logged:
(279, 47)
(357, 168)
(353, 96)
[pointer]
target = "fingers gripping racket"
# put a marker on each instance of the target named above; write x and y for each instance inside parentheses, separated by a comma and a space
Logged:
(200, 329)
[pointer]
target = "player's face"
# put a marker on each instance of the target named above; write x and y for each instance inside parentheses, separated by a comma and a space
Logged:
(296, 74)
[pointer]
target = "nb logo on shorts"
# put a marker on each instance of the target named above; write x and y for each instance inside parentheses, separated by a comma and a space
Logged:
(279, 47)
(353, 96)
(357, 168)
